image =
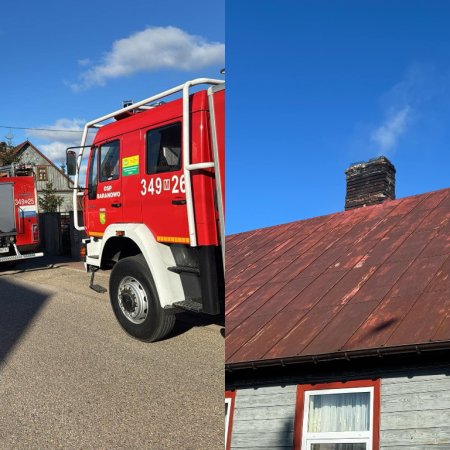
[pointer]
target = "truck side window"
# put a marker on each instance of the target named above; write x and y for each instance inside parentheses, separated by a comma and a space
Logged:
(109, 161)
(93, 174)
(164, 149)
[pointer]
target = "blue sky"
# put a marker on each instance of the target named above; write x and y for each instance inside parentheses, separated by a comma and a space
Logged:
(313, 86)
(64, 63)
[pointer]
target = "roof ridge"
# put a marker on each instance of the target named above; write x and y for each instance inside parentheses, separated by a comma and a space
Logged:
(348, 212)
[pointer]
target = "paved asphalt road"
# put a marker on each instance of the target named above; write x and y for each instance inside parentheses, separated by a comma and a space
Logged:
(71, 378)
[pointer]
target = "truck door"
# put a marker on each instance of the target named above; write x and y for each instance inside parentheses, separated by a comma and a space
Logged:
(104, 202)
(162, 186)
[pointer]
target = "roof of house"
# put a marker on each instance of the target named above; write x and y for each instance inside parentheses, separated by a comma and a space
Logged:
(370, 278)
(21, 147)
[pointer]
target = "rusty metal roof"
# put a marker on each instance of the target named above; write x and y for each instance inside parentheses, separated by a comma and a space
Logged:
(368, 278)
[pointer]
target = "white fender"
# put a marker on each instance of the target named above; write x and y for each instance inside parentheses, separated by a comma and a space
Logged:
(158, 257)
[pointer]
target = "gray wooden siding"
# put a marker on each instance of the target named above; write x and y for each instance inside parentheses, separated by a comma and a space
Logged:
(264, 418)
(59, 181)
(415, 413)
(54, 176)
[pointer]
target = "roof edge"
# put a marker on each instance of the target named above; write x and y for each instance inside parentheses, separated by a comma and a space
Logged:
(339, 356)
(19, 149)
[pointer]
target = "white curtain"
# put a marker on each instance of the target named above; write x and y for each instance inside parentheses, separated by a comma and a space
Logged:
(338, 447)
(339, 412)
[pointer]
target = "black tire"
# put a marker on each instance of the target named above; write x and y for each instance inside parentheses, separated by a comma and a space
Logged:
(132, 274)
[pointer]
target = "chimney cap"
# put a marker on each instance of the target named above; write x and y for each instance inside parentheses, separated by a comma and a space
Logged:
(372, 161)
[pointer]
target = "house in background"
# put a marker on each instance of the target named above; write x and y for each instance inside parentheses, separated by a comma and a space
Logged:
(46, 171)
(338, 327)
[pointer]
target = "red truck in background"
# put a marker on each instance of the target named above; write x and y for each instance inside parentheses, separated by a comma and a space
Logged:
(19, 227)
(153, 206)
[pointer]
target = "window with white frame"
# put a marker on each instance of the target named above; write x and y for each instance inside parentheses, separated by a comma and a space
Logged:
(338, 419)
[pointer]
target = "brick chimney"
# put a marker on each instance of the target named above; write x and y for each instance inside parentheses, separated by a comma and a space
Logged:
(369, 183)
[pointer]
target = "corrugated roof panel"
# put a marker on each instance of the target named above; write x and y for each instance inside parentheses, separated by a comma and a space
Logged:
(296, 339)
(349, 285)
(244, 332)
(380, 282)
(381, 323)
(423, 320)
(272, 332)
(340, 329)
(441, 282)
(418, 276)
(250, 304)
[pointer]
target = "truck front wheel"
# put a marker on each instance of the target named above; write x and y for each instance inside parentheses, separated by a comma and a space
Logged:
(135, 301)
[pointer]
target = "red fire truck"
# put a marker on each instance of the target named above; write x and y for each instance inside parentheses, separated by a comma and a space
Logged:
(153, 206)
(19, 230)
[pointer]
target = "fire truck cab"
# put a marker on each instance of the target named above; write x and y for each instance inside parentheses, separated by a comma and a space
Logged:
(19, 228)
(153, 206)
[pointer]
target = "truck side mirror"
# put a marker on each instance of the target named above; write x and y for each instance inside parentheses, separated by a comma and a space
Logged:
(71, 163)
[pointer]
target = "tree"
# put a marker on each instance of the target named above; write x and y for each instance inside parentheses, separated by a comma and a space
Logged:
(8, 155)
(50, 201)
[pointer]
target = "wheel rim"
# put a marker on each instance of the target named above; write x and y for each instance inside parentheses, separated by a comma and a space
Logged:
(133, 300)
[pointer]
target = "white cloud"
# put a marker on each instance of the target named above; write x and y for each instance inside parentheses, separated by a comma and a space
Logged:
(406, 103)
(84, 62)
(387, 134)
(153, 49)
(55, 138)
(55, 151)
(63, 130)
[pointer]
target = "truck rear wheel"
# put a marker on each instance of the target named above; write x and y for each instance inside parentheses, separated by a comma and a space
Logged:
(135, 301)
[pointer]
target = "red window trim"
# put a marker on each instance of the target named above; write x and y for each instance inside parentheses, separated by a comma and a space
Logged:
(231, 395)
(300, 404)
